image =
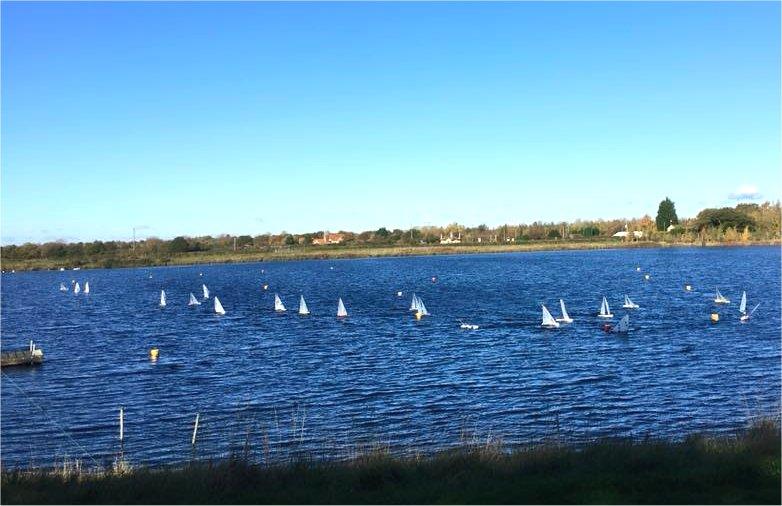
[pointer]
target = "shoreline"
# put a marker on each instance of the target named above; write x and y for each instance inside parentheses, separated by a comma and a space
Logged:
(337, 252)
(741, 469)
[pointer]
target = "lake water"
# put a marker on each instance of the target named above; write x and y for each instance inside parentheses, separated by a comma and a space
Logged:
(320, 385)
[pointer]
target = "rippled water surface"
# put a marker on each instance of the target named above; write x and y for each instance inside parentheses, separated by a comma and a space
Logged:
(276, 383)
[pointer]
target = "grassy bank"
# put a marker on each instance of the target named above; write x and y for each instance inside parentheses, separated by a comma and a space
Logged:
(336, 252)
(699, 470)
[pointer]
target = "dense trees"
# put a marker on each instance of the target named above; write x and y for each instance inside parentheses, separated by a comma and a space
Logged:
(745, 222)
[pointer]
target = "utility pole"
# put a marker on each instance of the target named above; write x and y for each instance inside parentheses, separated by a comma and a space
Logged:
(234, 243)
(134, 238)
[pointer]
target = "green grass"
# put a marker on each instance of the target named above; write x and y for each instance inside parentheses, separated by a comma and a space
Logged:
(699, 470)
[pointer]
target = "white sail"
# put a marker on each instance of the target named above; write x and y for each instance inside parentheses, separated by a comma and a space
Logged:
(218, 307)
(624, 325)
(565, 317)
(76, 288)
(341, 308)
(278, 305)
(720, 299)
(414, 303)
(86, 287)
(206, 291)
(548, 320)
(629, 304)
(422, 308)
(63, 288)
(743, 306)
(605, 309)
(193, 301)
(303, 309)
(162, 298)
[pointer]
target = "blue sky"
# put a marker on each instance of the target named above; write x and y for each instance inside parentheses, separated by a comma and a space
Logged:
(245, 118)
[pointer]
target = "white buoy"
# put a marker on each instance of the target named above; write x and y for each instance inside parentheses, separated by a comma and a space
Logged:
(398, 294)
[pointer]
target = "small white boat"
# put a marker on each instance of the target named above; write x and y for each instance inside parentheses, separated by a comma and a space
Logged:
(218, 307)
(76, 288)
(206, 291)
(162, 298)
(414, 303)
(86, 287)
(468, 326)
(605, 309)
(422, 308)
(63, 288)
(193, 301)
(61, 269)
(743, 308)
(720, 299)
(278, 305)
(303, 309)
(629, 304)
(341, 312)
(623, 327)
(548, 321)
(565, 317)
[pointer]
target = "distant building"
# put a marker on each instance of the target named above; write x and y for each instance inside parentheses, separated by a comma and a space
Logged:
(636, 233)
(450, 239)
(328, 239)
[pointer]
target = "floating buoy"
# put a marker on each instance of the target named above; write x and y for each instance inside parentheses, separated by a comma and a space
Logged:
(200, 273)
(263, 270)
(418, 315)
(715, 317)
(398, 294)
(332, 268)
(434, 279)
(688, 287)
(637, 269)
(265, 287)
(646, 277)
(153, 353)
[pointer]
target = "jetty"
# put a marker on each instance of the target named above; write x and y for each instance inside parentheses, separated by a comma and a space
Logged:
(25, 356)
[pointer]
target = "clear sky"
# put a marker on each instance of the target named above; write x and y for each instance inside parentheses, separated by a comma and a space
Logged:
(245, 118)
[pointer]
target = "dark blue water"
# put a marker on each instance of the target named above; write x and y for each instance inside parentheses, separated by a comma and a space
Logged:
(285, 383)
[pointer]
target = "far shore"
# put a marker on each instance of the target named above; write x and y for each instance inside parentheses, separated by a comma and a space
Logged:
(345, 252)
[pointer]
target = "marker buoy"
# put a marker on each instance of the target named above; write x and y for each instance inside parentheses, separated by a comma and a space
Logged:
(398, 294)
(715, 317)
(265, 287)
(688, 287)
(153, 353)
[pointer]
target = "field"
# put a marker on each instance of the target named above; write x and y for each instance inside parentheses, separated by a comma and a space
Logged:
(126, 259)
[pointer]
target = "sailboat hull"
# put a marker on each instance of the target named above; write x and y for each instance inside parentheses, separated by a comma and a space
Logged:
(565, 320)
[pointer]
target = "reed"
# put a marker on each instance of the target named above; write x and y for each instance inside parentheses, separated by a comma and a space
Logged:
(742, 469)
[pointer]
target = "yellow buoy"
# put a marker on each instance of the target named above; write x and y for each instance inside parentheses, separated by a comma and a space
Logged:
(153, 353)
(715, 317)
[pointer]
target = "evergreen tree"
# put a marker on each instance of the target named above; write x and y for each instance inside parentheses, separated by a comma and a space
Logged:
(666, 214)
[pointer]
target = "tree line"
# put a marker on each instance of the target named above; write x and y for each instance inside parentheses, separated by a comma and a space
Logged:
(744, 222)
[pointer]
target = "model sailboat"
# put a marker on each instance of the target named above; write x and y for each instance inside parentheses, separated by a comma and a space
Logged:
(86, 287)
(623, 326)
(720, 299)
(341, 312)
(565, 317)
(303, 309)
(278, 305)
(605, 310)
(219, 307)
(548, 321)
(629, 304)
(162, 298)
(63, 288)
(206, 291)
(193, 301)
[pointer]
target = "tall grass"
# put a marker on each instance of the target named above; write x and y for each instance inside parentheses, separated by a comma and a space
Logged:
(741, 469)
